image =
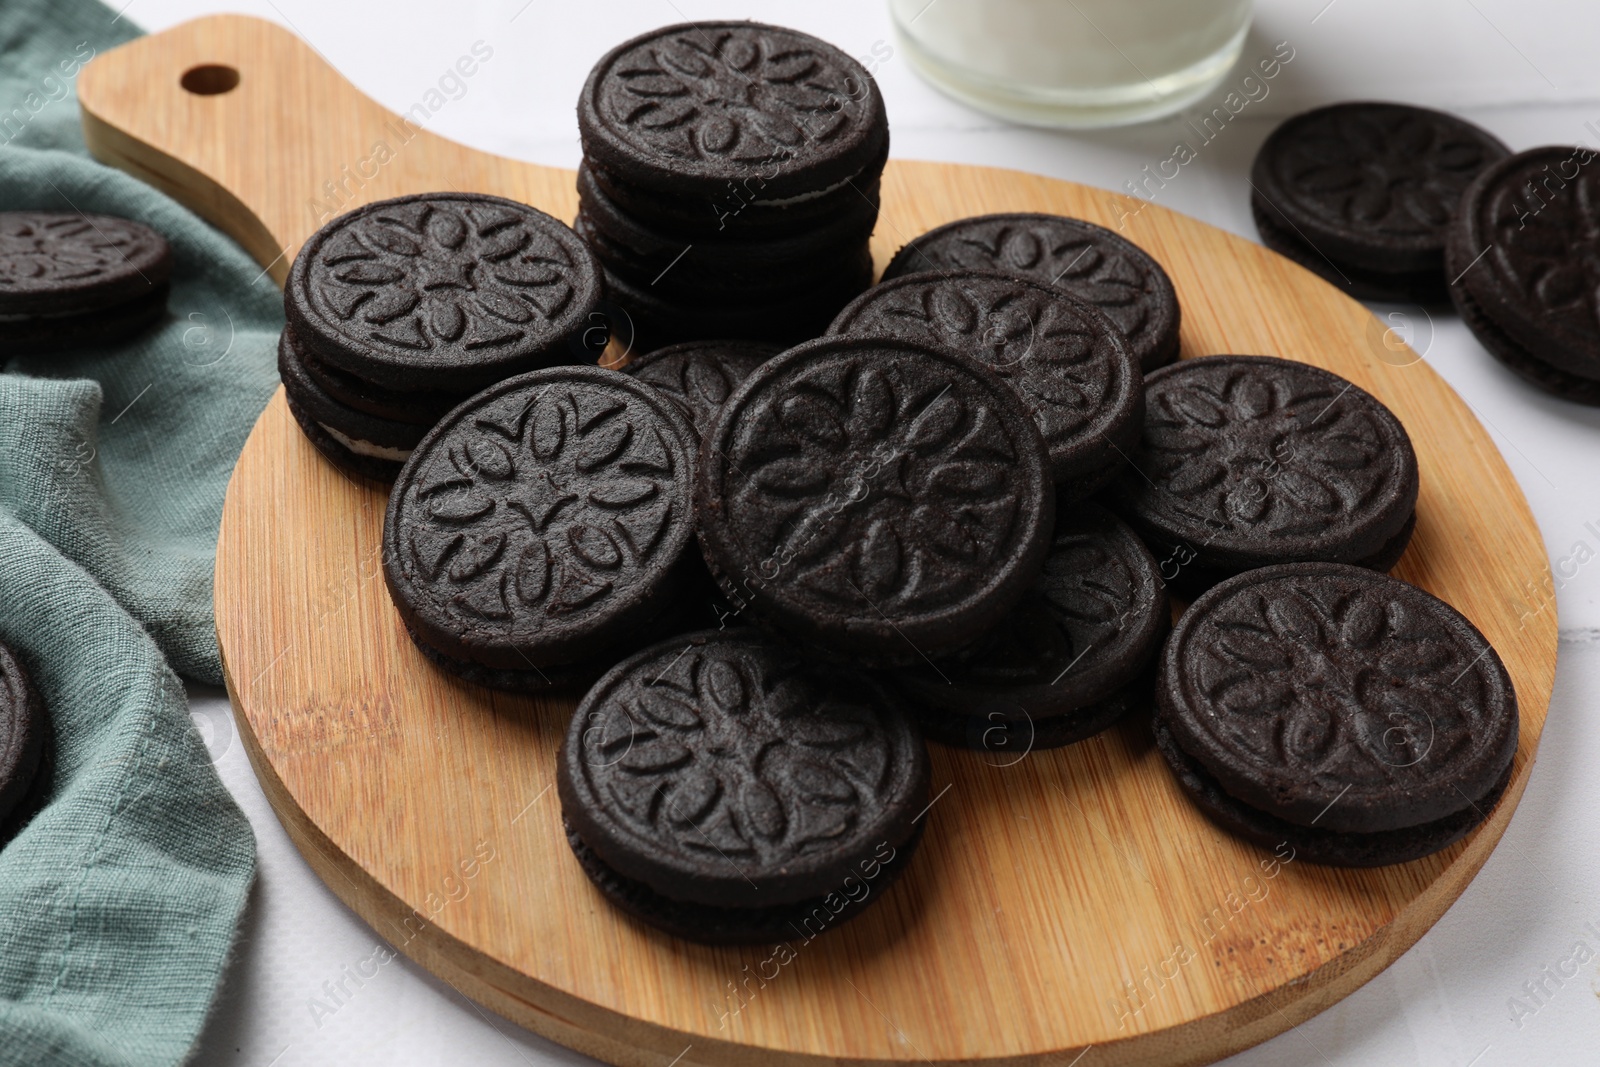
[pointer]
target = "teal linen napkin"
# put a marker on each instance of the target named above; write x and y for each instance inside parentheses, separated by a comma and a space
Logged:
(120, 897)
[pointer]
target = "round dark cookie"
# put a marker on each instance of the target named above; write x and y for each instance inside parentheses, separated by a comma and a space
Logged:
(690, 109)
(374, 468)
(1421, 287)
(307, 394)
(23, 726)
(1089, 262)
(881, 499)
(1314, 844)
(657, 320)
(701, 375)
(543, 521)
(1068, 362)
(1523, 247)
(59, 263)
(1371, 185)
(721, 768)
(1332, 696)
(449, 291)
(1066, 662)
(1251, 460)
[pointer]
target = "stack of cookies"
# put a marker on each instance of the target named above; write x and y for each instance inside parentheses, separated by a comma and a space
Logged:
(730, 181)
(401, 309)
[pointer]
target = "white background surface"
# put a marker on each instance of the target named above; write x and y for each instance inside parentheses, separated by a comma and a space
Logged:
(1525, 70)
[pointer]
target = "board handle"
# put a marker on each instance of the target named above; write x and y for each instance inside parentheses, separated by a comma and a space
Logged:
(248, 125)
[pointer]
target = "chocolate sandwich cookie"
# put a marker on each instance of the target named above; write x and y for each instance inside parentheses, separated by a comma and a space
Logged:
(1521, 254)
(1252, 460)
(1362, 194)
(1076, 655)
(883, 500)
(701, 375)
(542, 525)
(22, 732)
(1087, 261)
(721, 788)
(444, 291)
(355, 441)
(791, 316)
(69, 279)
(1068, 362)
(701, 112)
(1328, 698)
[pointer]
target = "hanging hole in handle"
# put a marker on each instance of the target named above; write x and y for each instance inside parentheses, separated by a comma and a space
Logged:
(210, 79)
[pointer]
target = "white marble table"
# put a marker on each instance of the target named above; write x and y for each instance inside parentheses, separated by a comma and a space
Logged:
(1483, 988)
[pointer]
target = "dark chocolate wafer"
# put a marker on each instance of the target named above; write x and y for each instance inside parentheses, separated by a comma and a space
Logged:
(1521, 253)
(1362, 193)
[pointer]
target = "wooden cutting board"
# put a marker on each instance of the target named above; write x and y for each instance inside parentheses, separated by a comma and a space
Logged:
(1071, 901)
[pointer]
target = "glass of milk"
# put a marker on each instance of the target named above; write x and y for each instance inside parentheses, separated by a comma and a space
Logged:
(1076, 63)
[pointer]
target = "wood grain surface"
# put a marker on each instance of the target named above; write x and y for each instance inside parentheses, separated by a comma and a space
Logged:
(1071, 901)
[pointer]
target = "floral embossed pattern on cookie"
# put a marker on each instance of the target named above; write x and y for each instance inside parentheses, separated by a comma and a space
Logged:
(57, 261)
(443, 290)
(722, 765)
(1372, 183)
(1526, 244)
(1250, 460)
(1334, 696)
(540, 524)
(873, 494)
(717, 100)
(1090, 262)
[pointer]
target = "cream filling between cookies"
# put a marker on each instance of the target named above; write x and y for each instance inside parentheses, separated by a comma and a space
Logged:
(367, 448)
(803, 197)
